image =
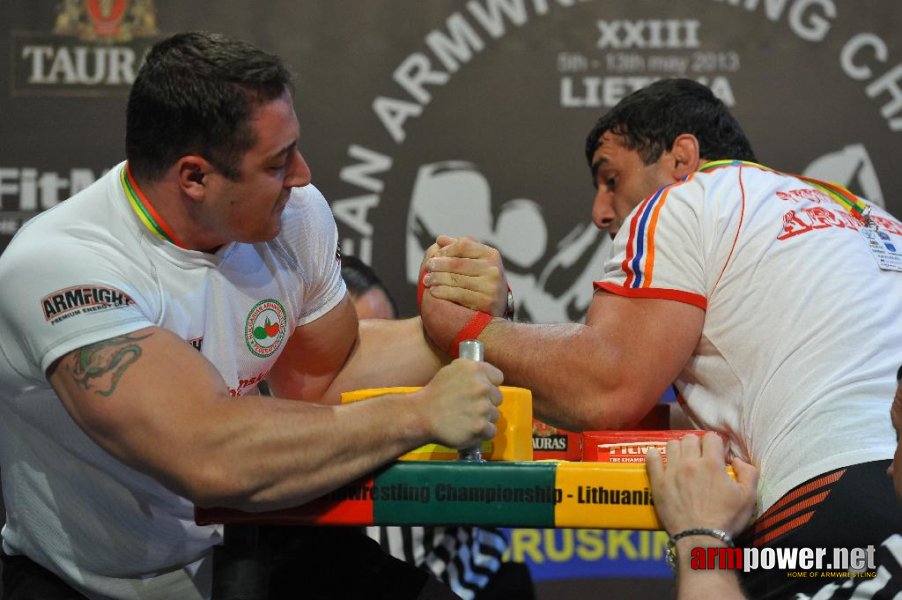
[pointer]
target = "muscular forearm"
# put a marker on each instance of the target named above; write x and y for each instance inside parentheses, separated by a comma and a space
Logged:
(286, 452)
(302, 450)
(605, 374)
(265, 453)
(168, 413)
(388, 353)
(250, 452)
(578, 378)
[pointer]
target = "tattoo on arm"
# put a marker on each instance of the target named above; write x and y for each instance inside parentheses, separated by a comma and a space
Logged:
(100, 366)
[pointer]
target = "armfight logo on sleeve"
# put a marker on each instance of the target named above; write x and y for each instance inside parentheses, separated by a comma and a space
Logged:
(72, 301)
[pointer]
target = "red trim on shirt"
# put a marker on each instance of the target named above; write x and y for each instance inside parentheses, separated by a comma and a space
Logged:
(659, 293)
(738, 229)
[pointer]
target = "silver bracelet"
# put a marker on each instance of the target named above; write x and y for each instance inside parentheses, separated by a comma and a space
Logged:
(671, 558)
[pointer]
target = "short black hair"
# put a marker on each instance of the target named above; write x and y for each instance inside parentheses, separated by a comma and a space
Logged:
(361, 278)
(650, 119)
(195, 94)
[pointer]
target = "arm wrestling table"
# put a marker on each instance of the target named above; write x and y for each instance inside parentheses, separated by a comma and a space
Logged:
(428, 486)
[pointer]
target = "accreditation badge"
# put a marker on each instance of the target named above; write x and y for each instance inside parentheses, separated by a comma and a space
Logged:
(886, 251)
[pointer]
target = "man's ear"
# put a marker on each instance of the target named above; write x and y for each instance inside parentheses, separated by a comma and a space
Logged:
(685, 153)
(192, 172)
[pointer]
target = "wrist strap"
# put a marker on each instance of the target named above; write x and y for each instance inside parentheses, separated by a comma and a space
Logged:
(670, 557)
(470, 331)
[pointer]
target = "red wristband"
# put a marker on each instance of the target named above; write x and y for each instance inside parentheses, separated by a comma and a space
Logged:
(470, 331)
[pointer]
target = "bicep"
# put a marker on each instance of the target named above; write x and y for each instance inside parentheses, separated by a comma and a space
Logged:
(337, 353)
(655, 338)
(315, 354)
(140, 396)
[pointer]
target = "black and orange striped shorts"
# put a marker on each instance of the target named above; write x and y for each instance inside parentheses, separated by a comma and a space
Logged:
(852, 507)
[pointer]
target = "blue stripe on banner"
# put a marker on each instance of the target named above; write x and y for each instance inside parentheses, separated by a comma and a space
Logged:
(562, 554)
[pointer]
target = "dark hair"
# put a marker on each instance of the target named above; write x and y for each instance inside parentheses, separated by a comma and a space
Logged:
(650, 120)
(360, 278)
(195, 94)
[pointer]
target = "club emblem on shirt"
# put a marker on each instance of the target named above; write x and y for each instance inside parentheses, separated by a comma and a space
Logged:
(265, 328)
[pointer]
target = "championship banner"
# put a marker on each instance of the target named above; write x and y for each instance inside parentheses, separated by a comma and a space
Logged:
(500, 494)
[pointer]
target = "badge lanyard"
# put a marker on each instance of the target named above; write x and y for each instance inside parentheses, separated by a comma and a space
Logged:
(887, 254)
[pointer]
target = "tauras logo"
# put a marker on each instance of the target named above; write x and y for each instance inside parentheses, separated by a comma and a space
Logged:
(75, 300)
(551, 442)
(106, 20)
(114, 35)
(49, 65)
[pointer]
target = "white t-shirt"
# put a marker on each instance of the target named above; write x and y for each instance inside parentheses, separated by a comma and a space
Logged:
(88, 270)
(802, 333)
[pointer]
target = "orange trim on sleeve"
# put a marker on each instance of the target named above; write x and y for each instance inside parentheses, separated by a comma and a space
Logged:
(659, 293)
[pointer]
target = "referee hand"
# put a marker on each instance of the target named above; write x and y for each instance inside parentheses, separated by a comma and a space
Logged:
(693, 489)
